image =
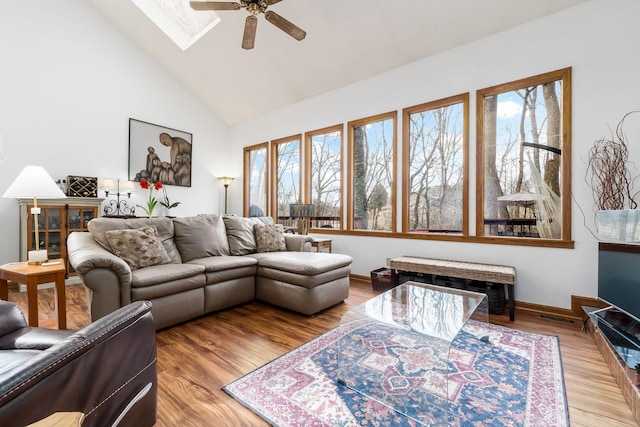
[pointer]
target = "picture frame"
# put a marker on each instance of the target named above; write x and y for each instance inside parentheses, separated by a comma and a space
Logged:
(159, 154)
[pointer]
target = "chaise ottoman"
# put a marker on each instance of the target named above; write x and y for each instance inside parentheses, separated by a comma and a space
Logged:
(305, 282)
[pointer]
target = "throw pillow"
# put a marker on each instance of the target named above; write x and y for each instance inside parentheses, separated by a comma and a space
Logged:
(138, 247)
(270, 237)
(200, 236)
(164, 227)
(242, 241)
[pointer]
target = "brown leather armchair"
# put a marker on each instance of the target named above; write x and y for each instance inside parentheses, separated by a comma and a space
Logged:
(106, 370)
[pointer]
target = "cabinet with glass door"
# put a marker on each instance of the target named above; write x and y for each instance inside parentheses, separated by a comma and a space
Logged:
(58, 218)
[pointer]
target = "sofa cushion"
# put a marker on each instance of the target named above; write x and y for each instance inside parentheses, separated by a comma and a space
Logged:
(200, 237)
(219, 263)
(158, 274)
(269, 237)
(240, 234)
(304, 263)
(138, 247)
(99, 226)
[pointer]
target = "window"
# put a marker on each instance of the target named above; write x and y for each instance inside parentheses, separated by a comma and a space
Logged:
(255, 180)
(435, 146)
(286, 180)
(324, 170)
(371, 191)
(524, 158)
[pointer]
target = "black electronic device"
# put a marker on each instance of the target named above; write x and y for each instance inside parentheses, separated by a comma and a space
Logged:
(619, 276)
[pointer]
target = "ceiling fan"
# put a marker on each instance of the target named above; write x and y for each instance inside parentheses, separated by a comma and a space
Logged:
(255, 7)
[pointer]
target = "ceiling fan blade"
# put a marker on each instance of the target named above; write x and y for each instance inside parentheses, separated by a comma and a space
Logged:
(249, 37)
(270, 2)
(286, 26)
(219, 5)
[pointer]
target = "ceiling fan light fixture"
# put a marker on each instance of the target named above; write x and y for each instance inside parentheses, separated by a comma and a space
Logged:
(254, 7)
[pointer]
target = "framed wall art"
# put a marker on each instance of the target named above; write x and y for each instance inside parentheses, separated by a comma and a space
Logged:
(158, 153)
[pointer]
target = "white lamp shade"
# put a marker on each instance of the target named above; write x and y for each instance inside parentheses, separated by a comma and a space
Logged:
(33, 181)
(128, 186)
(107, 184)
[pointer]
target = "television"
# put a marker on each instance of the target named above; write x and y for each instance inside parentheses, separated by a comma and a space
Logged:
(619, 277)
(619, 286)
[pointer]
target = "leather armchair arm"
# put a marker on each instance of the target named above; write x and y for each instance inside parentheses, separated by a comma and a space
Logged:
(98, 371)
(11, 318)
(85, 254)
(102, 272)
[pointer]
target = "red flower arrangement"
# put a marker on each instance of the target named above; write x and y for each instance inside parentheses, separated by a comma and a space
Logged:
(152, 202)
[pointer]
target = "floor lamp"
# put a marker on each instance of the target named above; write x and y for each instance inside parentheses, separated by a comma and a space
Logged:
(225, 180)
(34, 182)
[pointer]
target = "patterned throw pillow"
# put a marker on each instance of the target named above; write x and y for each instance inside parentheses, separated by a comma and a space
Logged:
(270, 237)
(138, 247)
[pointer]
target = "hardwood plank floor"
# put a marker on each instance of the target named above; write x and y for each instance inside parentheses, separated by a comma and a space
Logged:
(199, 357)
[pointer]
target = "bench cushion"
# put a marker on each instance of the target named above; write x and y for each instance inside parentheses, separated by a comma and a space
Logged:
(464, 270)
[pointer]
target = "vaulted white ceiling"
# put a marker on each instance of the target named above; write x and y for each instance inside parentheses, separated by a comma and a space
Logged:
(347, 41)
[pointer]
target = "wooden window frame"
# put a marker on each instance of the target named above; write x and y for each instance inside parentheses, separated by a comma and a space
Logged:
(565, 240)
(406, 132)
(307, 167)
(275, 143)
(247, 177)
(392, 115)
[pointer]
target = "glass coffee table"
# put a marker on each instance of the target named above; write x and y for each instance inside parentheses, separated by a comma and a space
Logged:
(398, 345)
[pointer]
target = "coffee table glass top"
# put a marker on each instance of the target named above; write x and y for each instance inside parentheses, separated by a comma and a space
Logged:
(398, 344)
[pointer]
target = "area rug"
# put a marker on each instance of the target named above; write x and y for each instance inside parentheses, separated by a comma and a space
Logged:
(495, 376)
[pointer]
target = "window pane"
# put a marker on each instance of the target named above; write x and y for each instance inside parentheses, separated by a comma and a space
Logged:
(436, 169)
(257, 171)
(523, 159)
(287, 176)
(373, 175)
(325, 149)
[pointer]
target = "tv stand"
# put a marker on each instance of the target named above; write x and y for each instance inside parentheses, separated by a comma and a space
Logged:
(619, 350)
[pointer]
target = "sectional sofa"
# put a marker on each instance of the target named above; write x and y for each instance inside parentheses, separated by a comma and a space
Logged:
(191, 266)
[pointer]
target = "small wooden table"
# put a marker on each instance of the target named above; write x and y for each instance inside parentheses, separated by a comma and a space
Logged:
(321, 244)
(32, 276)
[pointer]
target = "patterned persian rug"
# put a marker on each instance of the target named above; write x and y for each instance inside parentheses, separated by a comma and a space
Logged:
(494, 376)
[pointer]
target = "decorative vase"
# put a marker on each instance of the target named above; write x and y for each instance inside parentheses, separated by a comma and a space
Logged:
(618, 225)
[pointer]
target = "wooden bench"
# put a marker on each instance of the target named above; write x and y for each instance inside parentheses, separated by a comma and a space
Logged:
(503, 274)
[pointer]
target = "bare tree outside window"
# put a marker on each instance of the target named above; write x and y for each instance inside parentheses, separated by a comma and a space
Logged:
(371, 144)
(434, 166)
(255, 178)
(286, 154)
(523, 158)
(324, 148)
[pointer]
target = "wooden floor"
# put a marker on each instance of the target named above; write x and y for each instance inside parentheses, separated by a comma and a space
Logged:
(196, 359)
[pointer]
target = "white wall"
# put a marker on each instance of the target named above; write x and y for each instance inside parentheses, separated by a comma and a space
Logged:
(69, 82)
(598, 39)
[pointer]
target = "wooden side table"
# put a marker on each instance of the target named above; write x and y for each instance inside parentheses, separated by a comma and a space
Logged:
(320, 244)
(32, 276)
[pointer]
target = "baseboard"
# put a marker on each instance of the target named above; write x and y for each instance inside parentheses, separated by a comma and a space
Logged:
(361, 280)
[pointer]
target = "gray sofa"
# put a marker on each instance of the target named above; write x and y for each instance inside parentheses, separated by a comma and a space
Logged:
(188, 267)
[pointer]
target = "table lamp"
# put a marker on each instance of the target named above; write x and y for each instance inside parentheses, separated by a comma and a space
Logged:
(304, 212)
(34, 182)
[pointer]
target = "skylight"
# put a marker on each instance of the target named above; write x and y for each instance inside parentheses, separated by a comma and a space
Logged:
(182, 24)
